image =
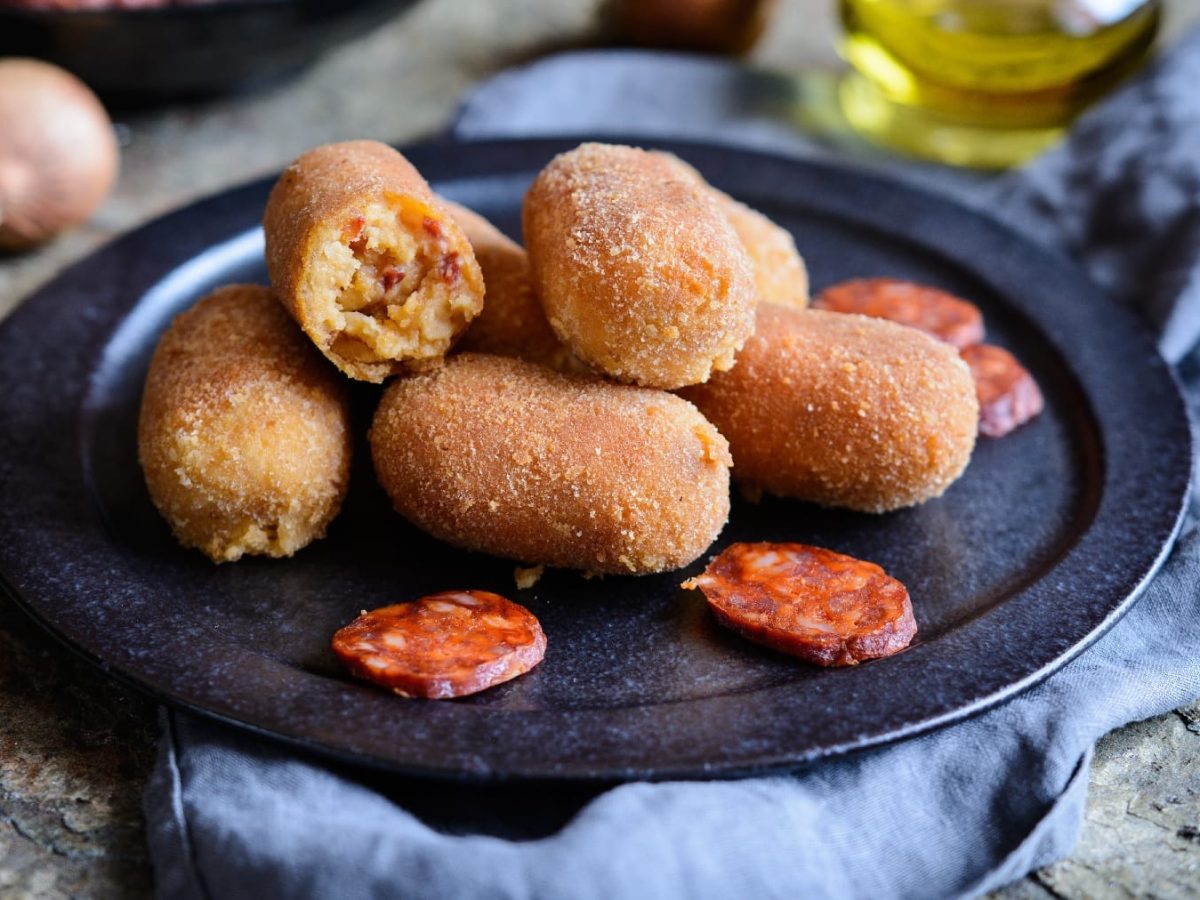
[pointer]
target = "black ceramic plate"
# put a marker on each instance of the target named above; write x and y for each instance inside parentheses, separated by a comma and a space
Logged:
(1036, 551)
(145, 54)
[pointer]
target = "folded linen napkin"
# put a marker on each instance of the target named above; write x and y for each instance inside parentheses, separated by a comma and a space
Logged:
(952, 813)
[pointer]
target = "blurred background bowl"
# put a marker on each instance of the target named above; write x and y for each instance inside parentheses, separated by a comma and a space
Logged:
(168, 52)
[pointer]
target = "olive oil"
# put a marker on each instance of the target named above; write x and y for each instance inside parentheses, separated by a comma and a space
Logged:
(984, 82)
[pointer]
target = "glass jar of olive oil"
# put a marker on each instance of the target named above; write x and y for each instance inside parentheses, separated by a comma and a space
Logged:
(984, 83)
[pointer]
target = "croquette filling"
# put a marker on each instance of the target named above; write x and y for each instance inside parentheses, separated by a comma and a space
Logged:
(393, 288)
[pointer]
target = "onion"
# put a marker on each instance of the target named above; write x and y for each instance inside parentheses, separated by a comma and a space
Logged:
(58, 152)
(709, 26)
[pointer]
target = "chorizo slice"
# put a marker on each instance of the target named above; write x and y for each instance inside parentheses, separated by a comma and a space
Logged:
(928, 309)
(1008, 395)
(445, 645)
(824, 607)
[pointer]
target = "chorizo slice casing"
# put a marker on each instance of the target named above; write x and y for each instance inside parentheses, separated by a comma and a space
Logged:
(445, 645)
(824, 607)
(928, 309)
(1008, 395)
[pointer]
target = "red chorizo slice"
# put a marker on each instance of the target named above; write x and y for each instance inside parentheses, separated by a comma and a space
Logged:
(445, 645)
(1008, 395)
(824, 607)
(928, 309)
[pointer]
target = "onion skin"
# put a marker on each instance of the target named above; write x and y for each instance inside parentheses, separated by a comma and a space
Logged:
(707, 26)
(58, 152)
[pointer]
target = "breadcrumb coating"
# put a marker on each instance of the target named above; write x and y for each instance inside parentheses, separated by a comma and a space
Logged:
(637, 268)
(510, 458)
(244, 433)
(368, 260)
(512, 322)
(844, 410)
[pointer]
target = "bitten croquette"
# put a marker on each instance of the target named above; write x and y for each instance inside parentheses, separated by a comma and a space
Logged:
(368, 260)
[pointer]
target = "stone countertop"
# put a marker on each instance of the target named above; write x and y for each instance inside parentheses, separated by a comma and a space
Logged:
(75, 748)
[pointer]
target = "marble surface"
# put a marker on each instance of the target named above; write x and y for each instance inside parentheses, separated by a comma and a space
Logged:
(75, 748)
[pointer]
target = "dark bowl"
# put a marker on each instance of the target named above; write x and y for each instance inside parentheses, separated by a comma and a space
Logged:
(140, 55)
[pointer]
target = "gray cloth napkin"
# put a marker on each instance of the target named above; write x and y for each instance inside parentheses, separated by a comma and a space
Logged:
(952, 813)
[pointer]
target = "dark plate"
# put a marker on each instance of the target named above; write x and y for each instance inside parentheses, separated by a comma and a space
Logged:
(136, 55)
(1035, 552)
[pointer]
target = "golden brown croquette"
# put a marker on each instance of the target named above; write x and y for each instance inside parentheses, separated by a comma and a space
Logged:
(779, 271)
(636, 266)
(244, 435)
(368, 260)
(843, 410)
(780, 275)
(511, 458)
(512, 322)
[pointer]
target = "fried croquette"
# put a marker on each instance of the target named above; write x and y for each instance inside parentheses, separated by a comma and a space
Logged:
(513, 459)
(843, 410)
(244, 434)
(368, 260)
(512, 322)
(636, 266)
